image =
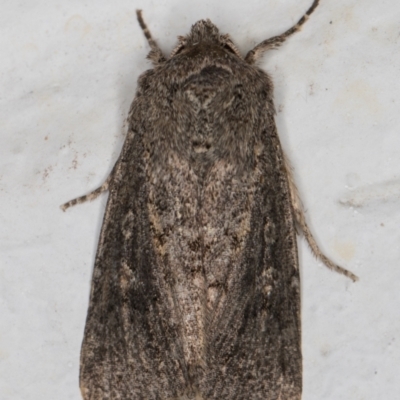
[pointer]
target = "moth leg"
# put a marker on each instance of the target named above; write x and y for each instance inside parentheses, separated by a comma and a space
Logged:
(155, 55)
(274, 42)
(88, 197)
(92, 195)
(301, 221)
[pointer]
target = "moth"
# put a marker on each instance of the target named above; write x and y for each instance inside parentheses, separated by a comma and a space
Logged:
(195, 288)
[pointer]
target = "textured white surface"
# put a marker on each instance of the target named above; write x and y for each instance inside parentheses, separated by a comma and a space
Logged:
(68, 73)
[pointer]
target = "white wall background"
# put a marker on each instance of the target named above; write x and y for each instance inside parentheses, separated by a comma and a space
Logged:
(68, 72)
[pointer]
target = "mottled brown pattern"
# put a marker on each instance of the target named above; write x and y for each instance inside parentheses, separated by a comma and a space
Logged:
(195, 291)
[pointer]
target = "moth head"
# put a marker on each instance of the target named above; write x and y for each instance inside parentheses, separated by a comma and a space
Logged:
(204, 32)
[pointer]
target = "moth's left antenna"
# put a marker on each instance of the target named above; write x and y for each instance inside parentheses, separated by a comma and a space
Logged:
(156, 56)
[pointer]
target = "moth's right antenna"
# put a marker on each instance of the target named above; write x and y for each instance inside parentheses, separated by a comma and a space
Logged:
(156, 56)
(274, 42)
